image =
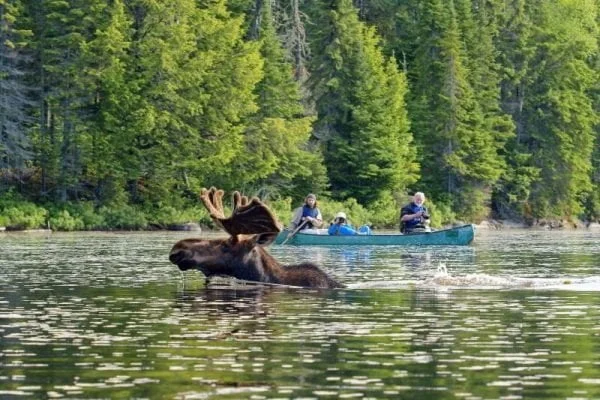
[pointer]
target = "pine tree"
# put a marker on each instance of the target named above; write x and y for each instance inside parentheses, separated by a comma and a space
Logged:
(360, 103)
(460, 142)
(560, 112)
(515, 53)
(106, 60)
(547, 92)
(14, 92)
(60, 33)
(275, 158)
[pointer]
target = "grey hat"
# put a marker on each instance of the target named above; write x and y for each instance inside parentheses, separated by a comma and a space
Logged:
(311, 195)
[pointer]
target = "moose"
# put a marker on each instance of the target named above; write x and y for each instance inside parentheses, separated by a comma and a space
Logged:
(251, 227)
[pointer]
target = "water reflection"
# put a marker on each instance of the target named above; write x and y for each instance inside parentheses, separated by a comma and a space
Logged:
(106, 316)
(224, 298)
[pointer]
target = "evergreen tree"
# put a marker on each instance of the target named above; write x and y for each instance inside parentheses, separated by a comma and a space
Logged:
(60, 33)
(360, 102)
(515, 53)
(14, 92)
(106, 61)
(547, 92)
(460, 142)
(193, 76)
(275, 157)
(560, 112)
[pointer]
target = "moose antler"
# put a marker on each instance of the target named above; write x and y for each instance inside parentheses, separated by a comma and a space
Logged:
(247, 217)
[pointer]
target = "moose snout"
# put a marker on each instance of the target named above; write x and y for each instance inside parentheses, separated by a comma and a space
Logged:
(176, 256)
(182, 259)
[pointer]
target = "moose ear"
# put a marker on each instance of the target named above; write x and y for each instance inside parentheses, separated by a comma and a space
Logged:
(265, 239)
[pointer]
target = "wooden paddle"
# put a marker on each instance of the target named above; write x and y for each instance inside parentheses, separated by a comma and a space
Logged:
(291, 235)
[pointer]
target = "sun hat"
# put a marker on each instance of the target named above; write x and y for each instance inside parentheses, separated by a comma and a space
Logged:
(340, 215)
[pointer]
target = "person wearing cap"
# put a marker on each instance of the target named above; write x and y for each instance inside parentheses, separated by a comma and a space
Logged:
(340, 226)
(308, 216)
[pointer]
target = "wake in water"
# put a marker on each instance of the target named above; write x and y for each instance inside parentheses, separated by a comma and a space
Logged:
(442, 278)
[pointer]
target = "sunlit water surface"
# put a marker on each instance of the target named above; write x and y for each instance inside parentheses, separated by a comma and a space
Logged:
(104, 315)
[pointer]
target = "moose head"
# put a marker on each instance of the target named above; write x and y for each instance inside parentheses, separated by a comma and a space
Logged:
(251, 227)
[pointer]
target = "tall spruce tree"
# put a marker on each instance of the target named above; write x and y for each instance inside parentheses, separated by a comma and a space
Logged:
(61, 31)
(194, 77)
(460, 147)
(276, 156)
(560, 112)
(478, 30)
(106, 59)
(360, 102)
(14, 92)
(515, 54)
(547, 90)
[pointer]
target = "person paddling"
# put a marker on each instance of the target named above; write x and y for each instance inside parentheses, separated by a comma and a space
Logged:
(308, 216)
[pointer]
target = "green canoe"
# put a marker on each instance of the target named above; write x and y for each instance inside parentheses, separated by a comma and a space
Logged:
(457, 236)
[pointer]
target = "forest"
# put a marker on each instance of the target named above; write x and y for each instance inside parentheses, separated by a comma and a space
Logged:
(115, 113)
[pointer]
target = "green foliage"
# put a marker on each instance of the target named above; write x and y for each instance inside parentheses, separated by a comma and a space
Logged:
(167, 215)
(441, 214)
(384, 212)
(124, 217)
(139, 104)
(357, 214)
(17, 213)
(63, 221)
(73, 216)
(362, 117)
(556, 119)
(282, 209)
(514, 189)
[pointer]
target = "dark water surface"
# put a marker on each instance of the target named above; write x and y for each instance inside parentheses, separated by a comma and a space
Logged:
(104, 315)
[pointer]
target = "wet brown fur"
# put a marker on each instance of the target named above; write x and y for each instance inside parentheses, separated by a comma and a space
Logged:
(245, 258)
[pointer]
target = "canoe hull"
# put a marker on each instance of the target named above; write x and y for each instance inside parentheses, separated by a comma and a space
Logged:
(457, 236)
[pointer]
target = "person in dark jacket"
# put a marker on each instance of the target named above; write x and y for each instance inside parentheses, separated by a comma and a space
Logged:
(414, 216)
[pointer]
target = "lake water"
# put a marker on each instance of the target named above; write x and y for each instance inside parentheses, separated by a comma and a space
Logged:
(105, 315)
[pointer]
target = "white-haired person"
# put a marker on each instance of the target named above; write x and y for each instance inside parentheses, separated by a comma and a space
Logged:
(414, 216)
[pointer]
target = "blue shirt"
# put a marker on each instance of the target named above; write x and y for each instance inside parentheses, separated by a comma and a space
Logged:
(342, 230)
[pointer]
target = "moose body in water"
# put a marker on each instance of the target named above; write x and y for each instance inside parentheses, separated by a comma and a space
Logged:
(251, 227)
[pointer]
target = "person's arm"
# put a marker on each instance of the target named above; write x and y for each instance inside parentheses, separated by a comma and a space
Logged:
(407, 215)
(296, 218)
(332, 229)
(318, 221)
(347, 230)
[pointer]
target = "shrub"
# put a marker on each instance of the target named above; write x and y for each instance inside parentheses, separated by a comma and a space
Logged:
(282, 209)
(64, 221)
(123, 217)
(17, 213)
(385, 212)
(169, 215)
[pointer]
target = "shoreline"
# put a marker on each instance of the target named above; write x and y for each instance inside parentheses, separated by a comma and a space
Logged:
(486, 225)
